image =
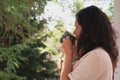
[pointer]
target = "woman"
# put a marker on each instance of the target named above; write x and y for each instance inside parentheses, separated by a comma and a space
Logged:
(95, 54)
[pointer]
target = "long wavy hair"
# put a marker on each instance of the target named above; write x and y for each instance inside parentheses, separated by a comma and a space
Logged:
(97, 31)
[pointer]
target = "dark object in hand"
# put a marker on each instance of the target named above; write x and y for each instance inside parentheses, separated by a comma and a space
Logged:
(72, 38)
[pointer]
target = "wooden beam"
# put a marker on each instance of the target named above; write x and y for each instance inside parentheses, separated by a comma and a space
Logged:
(116, 22)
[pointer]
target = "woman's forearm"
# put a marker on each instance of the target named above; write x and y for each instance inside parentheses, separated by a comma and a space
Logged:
(66, 68)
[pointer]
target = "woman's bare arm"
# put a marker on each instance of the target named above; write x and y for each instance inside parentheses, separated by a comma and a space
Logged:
(66, 67)
(67, 49)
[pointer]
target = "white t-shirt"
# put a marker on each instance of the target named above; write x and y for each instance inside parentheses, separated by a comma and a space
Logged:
(95, 65)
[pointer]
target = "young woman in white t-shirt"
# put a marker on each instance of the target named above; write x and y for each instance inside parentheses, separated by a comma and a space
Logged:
(95, 54)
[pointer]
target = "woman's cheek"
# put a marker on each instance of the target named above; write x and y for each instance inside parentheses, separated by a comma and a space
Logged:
(77, 36)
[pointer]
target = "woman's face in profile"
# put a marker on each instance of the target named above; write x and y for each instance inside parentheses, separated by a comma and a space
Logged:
(78, 29)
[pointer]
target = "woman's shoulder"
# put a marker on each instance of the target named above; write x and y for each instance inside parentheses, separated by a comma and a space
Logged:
(98, 54)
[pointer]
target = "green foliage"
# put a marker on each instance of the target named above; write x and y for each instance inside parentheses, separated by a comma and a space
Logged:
(9, 61)
(77, 5)
(10, 76)
(39, 65)
(110, 10)
(23, 55)
(13, 21)
(18, 20)
(53, 39)
(54, 0)
(30, 60)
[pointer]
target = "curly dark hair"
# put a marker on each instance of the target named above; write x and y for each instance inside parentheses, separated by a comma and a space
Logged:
(97, 31)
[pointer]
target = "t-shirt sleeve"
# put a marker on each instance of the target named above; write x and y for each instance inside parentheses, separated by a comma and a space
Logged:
(89, 68)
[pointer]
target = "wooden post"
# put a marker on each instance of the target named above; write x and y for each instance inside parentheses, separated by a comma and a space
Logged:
(116, 22)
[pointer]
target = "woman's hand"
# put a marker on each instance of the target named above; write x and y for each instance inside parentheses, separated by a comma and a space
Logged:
(67, 46)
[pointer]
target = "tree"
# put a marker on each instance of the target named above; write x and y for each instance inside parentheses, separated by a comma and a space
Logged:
(23, 55)
(18, 20)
